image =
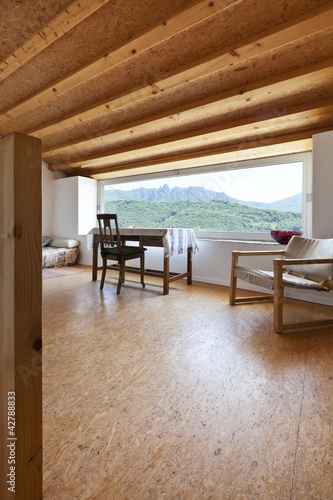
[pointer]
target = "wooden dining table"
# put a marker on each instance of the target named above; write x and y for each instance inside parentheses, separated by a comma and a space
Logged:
(174, 241)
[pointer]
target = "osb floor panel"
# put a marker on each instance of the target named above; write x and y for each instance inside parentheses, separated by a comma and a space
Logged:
(182, 396)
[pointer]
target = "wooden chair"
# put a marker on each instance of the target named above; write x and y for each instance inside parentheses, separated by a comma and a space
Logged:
(306, 263)
(112, 248)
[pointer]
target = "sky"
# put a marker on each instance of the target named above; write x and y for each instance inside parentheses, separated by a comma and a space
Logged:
(265, 184)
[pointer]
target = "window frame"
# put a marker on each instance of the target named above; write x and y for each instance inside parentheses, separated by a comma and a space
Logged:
(307, 178)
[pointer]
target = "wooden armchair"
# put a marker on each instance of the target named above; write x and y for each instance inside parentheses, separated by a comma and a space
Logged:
(306, 263)
(112, 248)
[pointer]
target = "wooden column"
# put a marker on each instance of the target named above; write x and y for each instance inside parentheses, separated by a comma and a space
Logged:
(20, 318)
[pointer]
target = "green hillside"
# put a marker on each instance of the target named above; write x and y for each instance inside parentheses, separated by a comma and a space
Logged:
(213, 215)
(165, 194)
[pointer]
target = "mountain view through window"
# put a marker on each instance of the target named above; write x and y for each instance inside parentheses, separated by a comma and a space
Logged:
(244, 200)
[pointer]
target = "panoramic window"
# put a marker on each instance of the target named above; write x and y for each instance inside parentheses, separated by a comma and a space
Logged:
(239, 199)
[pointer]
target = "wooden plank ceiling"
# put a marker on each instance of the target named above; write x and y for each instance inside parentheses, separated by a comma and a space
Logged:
(119, 87)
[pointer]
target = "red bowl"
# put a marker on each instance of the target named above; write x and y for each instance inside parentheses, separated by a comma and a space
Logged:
(283, 237)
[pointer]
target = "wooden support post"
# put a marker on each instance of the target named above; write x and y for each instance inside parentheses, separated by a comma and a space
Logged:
(20, 318)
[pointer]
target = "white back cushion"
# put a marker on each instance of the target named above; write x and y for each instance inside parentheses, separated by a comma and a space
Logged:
(311, 248)
(63, 242)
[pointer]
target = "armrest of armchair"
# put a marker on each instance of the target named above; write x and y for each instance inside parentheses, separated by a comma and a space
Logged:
(252, 253)
(258, 252)
(296, 262)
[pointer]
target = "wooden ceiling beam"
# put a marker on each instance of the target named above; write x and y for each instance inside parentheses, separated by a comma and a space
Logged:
(289, 144)
(288, 120)
(252, 151)
(74, 13)
(268, 93)
(183, 20)
(228, 59)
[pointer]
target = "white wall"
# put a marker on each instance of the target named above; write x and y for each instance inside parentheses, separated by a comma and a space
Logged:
(213, 261)
(48, 199)
(323, 185)
(87, 190)
(69, 208)
(65, 214)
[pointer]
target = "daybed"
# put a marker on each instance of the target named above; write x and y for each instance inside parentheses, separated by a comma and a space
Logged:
(59, 252)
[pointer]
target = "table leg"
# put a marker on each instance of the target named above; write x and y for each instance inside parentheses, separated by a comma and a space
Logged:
(94, 261)
(166, 276)
(189, 266)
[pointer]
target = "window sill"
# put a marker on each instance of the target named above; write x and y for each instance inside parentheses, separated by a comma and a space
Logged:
(225, 240)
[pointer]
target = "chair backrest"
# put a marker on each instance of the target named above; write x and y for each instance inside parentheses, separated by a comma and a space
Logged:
(311, 248)
(109, 230)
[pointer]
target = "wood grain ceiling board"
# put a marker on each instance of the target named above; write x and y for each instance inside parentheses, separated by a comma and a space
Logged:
(302, 86)
(311, 82)
(104, 31)
(135, 71)
(74, 13)
(285, 121)
(273, 146)
(211, 75)
(21, 20)
(248, 151)
(108, 85)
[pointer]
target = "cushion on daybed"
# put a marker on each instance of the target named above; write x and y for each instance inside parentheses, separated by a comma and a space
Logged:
(46, 240)
(57, 242)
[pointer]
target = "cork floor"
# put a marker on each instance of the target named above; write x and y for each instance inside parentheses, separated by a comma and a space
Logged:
(182, 396)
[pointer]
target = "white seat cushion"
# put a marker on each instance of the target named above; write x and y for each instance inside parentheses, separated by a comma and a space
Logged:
(266, 279)
(311, 248)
